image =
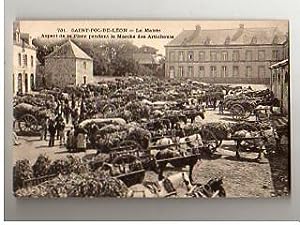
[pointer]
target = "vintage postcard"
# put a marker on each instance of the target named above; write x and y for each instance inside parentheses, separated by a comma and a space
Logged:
(151, 109)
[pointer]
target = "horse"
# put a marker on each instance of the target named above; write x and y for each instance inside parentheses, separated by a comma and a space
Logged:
(191, 141)
(161, 189)
(188, 154)
(192, 114)
(213, 188)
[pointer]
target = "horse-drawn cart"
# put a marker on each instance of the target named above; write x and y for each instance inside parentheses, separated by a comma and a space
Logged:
(29, 117)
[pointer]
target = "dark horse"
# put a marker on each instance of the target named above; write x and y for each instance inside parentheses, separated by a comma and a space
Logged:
(211, 189)
(192, 114)
(176, 118)
(179, 159)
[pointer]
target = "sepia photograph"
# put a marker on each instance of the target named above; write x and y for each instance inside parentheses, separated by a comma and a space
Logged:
(151, 109)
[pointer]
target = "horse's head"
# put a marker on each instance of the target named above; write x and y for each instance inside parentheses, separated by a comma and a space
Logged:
(215, 183)
(152, 165)
(201, 114)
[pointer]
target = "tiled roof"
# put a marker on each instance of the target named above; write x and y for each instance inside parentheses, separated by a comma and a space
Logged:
(240, 36)
(69, 50)
(145, 58)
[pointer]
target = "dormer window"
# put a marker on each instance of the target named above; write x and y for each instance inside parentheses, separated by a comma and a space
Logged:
(190, 56)
(275, 39)
(227, 40)
(254, 40)
(207, 41)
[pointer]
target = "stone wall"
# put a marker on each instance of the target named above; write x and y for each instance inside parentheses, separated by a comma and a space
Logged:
(60, 72)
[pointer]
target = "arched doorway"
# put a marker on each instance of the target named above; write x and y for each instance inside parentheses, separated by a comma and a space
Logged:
(84, 79)
(26, 83)
(20, 91)
(32, 82)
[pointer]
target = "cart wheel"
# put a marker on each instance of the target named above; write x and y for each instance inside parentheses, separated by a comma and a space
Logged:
(210, 139)
(237, 111)
(28, 123)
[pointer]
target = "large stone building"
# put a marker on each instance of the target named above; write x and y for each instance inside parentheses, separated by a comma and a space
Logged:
(24, 62)
(68, 65)
(241, 55)
(280, 76)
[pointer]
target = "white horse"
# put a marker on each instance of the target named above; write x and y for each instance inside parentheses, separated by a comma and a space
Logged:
(191, 141)
(161, 189)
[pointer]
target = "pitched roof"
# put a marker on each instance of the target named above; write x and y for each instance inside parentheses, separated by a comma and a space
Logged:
(239, 36)
(69, 50)
(145, 58)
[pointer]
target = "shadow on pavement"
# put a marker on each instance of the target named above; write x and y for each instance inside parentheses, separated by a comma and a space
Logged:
(243, 159)
(280, 172)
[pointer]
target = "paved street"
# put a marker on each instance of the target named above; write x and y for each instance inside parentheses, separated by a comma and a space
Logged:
(242, 178)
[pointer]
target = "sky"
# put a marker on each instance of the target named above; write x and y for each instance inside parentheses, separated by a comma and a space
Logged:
(38, 27)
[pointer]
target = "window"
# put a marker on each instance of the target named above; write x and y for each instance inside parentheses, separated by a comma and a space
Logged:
(261, 71)
(26, 83)
(275, 55)
(213, 56)
(25, 60)
(224, 71)
(32, 82)
(202, 56)
(181, 56)
(172, 71)
(180, 71)
(190, 56)
(248, 55)
(213, 71)
(235, 71)
(19, 59)
(190, 71)
(172, 56)
(20, 89)
(31, 61)
(248, 71)
(201, 71)
(84, 65)
(235, 55)
(261, 55)
(224, 56)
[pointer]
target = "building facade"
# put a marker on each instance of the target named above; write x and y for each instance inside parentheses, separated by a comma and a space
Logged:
(24, 62)
(241, 55)
(280, 76)
(68, 65)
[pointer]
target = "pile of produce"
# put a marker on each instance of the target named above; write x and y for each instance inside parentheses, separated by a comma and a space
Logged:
(234, 127)
(221, 130)
(66, 166)
(22, 171)
(140, 135)
(74, 185)
(41, 166)
(192, 128)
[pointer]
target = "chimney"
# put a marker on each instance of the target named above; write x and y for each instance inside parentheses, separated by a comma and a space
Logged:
(30, 41)
(198, 27)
